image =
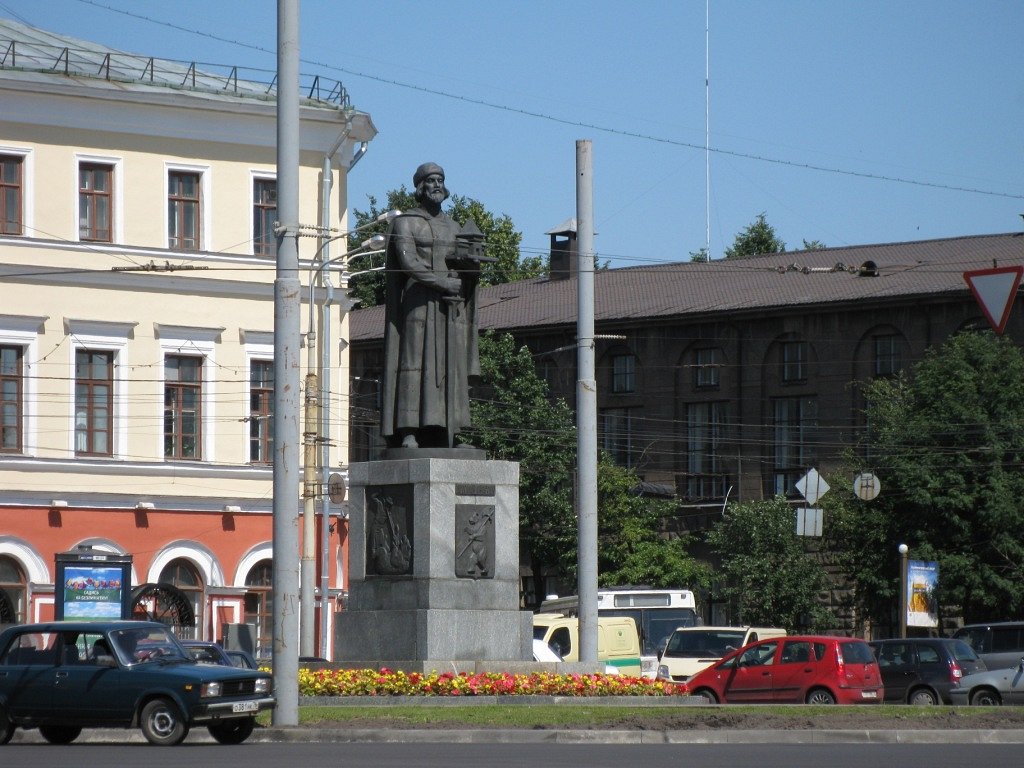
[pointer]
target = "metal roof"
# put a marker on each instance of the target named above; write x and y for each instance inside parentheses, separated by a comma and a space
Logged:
(29, 49)
(702, 291)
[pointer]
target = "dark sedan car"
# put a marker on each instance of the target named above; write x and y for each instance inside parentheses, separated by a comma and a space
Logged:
(207, 652)
(64, 676)
(923, 670)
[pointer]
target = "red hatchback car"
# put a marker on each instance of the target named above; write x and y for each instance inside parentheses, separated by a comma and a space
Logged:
(797, 669)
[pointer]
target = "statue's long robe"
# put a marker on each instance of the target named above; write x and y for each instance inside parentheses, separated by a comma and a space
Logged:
(424, 356)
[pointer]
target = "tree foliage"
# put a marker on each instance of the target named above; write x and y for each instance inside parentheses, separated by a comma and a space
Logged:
(768, 575)
(631, 546)
(947, 442)
(756, 238)
(514, 420)
(502, 242)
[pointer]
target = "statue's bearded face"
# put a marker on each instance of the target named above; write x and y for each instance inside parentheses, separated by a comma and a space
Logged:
(433, 188)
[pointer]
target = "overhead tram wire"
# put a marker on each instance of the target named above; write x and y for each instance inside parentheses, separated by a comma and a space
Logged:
(575, 123)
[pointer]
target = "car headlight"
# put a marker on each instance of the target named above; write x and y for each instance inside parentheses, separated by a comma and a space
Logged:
(263, 684)
(209, 690)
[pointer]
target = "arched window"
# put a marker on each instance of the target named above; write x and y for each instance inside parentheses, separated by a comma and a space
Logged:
(185, 576)
(259, 605)
(13, 595)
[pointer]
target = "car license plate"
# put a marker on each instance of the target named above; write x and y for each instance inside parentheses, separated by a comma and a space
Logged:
(869, 694)
(244, 706)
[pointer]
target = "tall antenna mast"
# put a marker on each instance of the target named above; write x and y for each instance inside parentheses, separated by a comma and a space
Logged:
(707, 128)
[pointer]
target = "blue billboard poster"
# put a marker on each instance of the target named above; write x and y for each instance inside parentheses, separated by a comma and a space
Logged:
(922, 606)
(93, 592)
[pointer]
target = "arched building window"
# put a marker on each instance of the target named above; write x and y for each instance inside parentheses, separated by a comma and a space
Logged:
(185, 576)
(259, 605)
(13, 595)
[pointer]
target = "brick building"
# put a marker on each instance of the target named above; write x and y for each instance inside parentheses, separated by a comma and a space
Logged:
(728, 380)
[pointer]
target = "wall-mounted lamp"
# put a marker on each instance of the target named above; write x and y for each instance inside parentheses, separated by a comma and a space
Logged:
(58, 504)
(145, 505)
(232, 508)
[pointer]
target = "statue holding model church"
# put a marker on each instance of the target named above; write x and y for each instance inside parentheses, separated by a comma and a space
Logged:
(434, 526)
(431, 329)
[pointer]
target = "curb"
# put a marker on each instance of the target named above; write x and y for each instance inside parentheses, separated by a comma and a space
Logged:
(526, 736)
(295, 735)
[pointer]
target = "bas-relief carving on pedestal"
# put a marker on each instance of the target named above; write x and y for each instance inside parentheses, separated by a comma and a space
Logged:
(474, 541)
(389, 540)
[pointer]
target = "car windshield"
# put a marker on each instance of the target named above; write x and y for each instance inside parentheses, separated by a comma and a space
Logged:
(147, 644)
(699, 643)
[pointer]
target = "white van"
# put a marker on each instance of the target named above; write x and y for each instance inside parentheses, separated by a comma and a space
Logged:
(691, 649)
(618, 644)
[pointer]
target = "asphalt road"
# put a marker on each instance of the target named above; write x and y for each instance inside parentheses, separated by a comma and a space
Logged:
(435, 755)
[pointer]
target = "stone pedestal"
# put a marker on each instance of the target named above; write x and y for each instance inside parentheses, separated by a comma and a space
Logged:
(433, 565)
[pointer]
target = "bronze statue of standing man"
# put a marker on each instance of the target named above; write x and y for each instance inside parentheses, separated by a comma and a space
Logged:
(431, 329)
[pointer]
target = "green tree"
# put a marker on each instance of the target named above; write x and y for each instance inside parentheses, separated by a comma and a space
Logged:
(631, 546)
(700, 255)
(947, 442)
(814, 245)
(755, 239)
(768, 574)
(502, 243)
(515, 420)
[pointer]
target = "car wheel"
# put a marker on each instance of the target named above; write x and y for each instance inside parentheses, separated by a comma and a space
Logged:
(923, 697)
(232, 731)
(6, 728)
(707, 694)
(59, 734)
(162, 723)
(820, 696)
(986, 698)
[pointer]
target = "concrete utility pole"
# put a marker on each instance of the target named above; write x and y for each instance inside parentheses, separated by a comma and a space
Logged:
(287, 310)
(586, 406)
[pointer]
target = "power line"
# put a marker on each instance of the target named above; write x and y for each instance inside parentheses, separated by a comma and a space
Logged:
(575, 123)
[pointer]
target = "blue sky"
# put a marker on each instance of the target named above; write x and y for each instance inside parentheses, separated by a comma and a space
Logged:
(844, 122)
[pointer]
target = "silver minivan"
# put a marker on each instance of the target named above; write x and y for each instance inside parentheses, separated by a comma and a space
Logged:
(1000, 645)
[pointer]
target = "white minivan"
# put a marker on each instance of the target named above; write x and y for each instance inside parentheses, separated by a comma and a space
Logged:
(691, 649)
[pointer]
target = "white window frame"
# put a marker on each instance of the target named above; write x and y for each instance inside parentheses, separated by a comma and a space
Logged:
(116, 204)
(28, 218)
(23, 332)
(194, 342)
(205, 202)
(258, 345)
(254, 176)
(102, 337)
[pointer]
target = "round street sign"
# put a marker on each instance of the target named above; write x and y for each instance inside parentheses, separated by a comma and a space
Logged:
(866, 486)
(336, 488)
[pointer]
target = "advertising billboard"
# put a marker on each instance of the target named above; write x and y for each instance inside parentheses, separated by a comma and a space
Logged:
(922, 607)
(92, 585)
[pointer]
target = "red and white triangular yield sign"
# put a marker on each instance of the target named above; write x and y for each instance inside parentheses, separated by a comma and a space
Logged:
(995, 289)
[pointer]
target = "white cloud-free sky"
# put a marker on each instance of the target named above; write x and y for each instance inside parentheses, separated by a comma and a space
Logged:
(845, 122)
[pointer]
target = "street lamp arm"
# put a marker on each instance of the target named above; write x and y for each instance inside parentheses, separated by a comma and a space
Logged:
(314, 271)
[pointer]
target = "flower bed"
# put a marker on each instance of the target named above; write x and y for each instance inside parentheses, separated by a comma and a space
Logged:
(386, 682)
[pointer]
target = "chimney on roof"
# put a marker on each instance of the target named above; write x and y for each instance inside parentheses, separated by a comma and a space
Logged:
(563, 263)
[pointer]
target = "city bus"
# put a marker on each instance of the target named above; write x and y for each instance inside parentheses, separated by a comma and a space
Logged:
(657, 613)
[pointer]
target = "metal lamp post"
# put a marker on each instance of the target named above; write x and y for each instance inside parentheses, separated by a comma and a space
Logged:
(903, 549)
(315, 437)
